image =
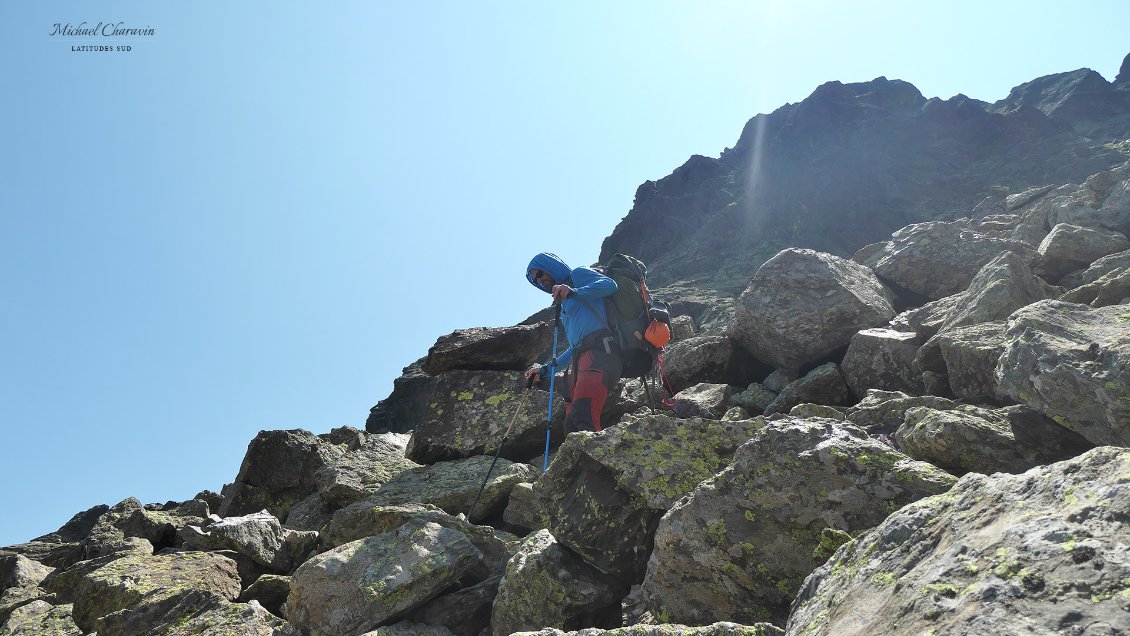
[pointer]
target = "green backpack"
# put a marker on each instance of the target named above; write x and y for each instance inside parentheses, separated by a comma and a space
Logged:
(633, 313)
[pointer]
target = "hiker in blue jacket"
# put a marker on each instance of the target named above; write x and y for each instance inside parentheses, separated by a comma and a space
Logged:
(592, 350)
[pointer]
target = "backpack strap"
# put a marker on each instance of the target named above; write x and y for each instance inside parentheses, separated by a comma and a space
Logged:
(611, 331)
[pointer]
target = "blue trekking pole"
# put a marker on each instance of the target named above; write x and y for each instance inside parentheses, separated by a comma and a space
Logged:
(552, 377)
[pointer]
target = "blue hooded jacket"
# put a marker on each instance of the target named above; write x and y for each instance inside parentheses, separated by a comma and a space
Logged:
(576, 314)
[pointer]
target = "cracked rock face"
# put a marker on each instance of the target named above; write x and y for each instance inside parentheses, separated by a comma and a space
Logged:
(1042, 552)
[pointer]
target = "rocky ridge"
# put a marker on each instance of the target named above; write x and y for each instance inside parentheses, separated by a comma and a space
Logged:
(927, 434)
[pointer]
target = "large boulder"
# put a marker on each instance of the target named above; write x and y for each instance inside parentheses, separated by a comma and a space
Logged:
(1071, 363)
(710, 358)
(407, 404)
(882, 359)
(357, 586)
(144, 584)
(64, 582)
(108, 535)
(259, 537)
(605, 492)
(546, 585)
(369, 461)
(470, 412)
(970, 355)
(365, 520)
(1043, 552)
(463, 612)
(221, 619)
(939, 258)
(20, 580)
(754, 399)
(277, 472)
(970, 439)
(739, 547)
(927, 319)
(802, 306)
(270, 591)
(822, 385)
(496, 349)
(1002, 286)
(1112, 288)
(195, 613)
(454, 486)
(40, 618)
(1070, 247)
(1104, 266)
(880, 413)
(703, 400)
(19, 571)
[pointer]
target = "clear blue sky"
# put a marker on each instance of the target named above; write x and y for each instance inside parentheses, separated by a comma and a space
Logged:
(255, 218)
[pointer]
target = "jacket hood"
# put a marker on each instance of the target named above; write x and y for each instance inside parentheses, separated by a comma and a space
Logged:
(550, 264)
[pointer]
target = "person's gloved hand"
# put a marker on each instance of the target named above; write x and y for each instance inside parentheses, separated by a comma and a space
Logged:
(535, 372)
(561, 292)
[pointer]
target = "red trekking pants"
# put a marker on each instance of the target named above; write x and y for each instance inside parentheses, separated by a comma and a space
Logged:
(592, 375)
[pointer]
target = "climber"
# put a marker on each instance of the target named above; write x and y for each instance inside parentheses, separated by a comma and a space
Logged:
(592, 350)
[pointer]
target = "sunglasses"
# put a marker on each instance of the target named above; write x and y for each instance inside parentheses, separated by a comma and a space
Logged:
(539, 275)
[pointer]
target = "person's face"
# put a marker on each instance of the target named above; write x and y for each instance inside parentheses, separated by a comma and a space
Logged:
(545, 281)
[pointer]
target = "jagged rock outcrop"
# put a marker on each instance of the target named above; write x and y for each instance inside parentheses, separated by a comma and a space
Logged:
(802, 306)
(740, 546)
(1071, 363)
(1112, 288)
(548, 586)
(1081, 99)
(927, 319)
(887, 157)
(604, 493)
(360, 585)
(1041, 552)
(880, 413)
